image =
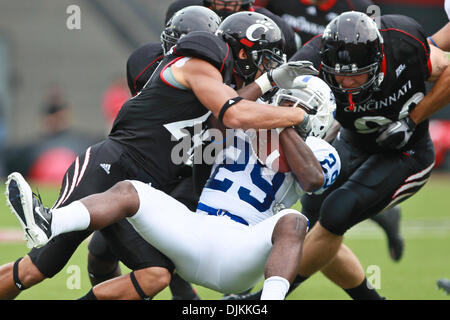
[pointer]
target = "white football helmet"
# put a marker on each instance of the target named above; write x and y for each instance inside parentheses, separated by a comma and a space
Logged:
(314, 96)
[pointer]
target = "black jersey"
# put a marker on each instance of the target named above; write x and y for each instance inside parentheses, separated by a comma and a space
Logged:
(161, 115)
(308, 20)
(406, 66)
(289, 35)
(141, 64)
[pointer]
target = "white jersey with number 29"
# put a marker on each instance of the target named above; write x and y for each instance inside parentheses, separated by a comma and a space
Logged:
(242, 186)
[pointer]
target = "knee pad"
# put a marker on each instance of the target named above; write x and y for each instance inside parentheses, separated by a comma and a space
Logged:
(337, 214)
(101, 270)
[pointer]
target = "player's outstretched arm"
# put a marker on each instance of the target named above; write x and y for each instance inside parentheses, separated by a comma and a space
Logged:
(301, 160)
(441, 38)
(439, 95)
(207, 84)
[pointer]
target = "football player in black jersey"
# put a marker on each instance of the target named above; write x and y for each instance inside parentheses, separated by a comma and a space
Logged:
(378, 77)
(102, 262)
(226, 7)
(188, 86)
(308, 18)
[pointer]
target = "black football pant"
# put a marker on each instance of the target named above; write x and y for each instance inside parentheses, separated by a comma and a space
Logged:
(369, 183)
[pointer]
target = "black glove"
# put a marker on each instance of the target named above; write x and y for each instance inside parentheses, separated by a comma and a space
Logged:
(397, 134)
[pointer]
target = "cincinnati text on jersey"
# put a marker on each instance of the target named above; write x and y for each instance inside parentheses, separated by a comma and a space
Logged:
(379, 104)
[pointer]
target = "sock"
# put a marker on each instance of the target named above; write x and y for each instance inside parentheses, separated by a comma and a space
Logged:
(73, 217)
(364, 291)
(297, 281)
(275, 288)
(181, 289)
(89, 296)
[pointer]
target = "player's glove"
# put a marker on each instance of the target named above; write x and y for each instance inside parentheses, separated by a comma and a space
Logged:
(284, 75)
(397, 134)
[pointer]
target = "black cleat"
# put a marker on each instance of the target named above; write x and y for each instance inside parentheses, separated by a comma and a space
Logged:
(444, 284)
(389, 220)
(34, 218)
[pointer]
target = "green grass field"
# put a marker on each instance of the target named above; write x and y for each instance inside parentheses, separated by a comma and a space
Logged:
(425, 226)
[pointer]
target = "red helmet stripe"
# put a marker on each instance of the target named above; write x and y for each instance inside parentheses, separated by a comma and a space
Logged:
(247, 42)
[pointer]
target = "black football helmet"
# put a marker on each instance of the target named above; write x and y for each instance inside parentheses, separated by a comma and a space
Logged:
(226, 7)
(352, 45)
(192, 18)
(261, 39)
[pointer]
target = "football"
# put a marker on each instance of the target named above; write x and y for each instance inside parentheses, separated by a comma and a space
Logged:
(267, 148)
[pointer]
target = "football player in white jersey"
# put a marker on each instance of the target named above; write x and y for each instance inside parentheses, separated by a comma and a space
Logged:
(242, 230)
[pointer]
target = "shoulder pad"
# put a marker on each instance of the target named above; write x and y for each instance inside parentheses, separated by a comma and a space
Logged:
(404, 25)
(208, 47)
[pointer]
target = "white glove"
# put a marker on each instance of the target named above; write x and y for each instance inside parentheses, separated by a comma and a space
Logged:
(283, 76)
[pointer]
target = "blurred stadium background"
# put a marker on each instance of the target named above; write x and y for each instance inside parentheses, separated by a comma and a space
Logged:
(59, 89)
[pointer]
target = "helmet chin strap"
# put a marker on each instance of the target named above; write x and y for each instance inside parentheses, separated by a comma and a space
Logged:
(350, 101)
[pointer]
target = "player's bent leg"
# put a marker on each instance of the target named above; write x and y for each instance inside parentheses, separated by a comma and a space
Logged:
(101, 269)
(284, 259)
(344, 269)
(320, 247)
(118, 202)
(145, 284)
(287, 238)
(17, 276)
(93, 212)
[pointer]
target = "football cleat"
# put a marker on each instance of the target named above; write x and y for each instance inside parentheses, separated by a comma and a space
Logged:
(34, 218)
(444, 284)
(389, 220)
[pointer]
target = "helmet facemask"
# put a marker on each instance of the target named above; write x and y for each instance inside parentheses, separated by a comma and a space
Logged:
(169, 37)
(316, 99)
(259, 60)
(362, 93)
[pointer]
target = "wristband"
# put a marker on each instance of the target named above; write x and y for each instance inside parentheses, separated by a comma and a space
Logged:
(264, 83)
(432, 41)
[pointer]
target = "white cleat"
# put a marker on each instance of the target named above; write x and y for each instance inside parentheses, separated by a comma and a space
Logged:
(34, 218)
